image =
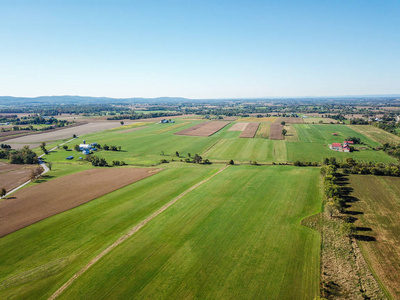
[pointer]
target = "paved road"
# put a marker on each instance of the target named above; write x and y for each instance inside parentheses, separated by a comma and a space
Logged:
(42, 164)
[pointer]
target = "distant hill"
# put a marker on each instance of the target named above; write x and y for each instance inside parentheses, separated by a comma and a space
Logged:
(48, 100)
(8, 100)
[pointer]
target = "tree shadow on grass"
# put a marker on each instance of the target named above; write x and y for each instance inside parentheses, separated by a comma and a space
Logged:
(364, 238)
(353, 213)
(44, 178)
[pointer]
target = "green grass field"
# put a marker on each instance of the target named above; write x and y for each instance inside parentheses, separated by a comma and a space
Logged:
(38, 259)
(304, 142)
(309, 133)
(376, 134)
(223, 240)
(315, 140)
(378, 202)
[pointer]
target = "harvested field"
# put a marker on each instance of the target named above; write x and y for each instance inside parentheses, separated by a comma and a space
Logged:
(203, 129)
(12, 176)
(275, 132)
(238, 126)
(290, 120)
(250, 130)
(44, 200)
(63, 133)
(7, 136)
(263, 131)
(291, 135)
(264, 119)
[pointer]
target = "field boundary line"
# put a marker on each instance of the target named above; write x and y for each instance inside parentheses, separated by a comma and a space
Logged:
(129, 234)
(209, 148)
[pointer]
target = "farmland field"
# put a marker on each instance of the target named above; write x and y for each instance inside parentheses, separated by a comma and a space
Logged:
(378, 202)
(376, 134)
(222, 240)
(243, 150)
(275, 132)
(250, 130)
(38, 202)
(323, 134)
(263, 131)
(38, 259)
(314, 141)
(12, 176)
(203, 129)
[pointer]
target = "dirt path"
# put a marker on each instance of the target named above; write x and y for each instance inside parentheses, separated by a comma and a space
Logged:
(129, 234)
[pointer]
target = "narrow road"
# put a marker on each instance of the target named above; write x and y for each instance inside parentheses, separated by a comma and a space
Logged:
(129, 234)
(42, 164)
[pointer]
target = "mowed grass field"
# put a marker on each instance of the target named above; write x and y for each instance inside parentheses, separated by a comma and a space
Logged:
(315, 140)
(37, 260)
(376, 134)
(379, 204)
(237, 236)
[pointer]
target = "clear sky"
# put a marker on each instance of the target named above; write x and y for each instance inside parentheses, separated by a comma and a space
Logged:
(199, 49)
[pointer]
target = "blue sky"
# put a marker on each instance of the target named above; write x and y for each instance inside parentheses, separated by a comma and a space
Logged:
(199, 49)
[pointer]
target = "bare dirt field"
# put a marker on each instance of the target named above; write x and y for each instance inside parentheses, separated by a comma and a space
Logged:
(250, 130)
(238, 126)
(275, 132)
(204, 129)
(12, 176)
(290, 120)
(44, 200)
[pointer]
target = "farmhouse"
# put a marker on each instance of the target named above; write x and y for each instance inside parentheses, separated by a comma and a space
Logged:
(336, 146)
(342, 148)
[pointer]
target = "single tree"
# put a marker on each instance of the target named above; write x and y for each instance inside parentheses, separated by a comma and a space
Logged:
(3, 192)
(283, 123)
(177, 153)
(65, 147)
(284, 131)
(122, 122)
(50, 165)
(74, 136)
(231, 162)
(43, 147)
(76, 147)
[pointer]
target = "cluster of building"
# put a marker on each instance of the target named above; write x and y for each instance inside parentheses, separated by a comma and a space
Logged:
(87, 148)
(345, 147)
(167, 121)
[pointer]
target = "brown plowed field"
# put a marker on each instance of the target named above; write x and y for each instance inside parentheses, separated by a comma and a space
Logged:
(12, 176)
(238, 126)
(47, 199)
(203, 129)
(275, 132)
(250, 130)
(290, 120)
